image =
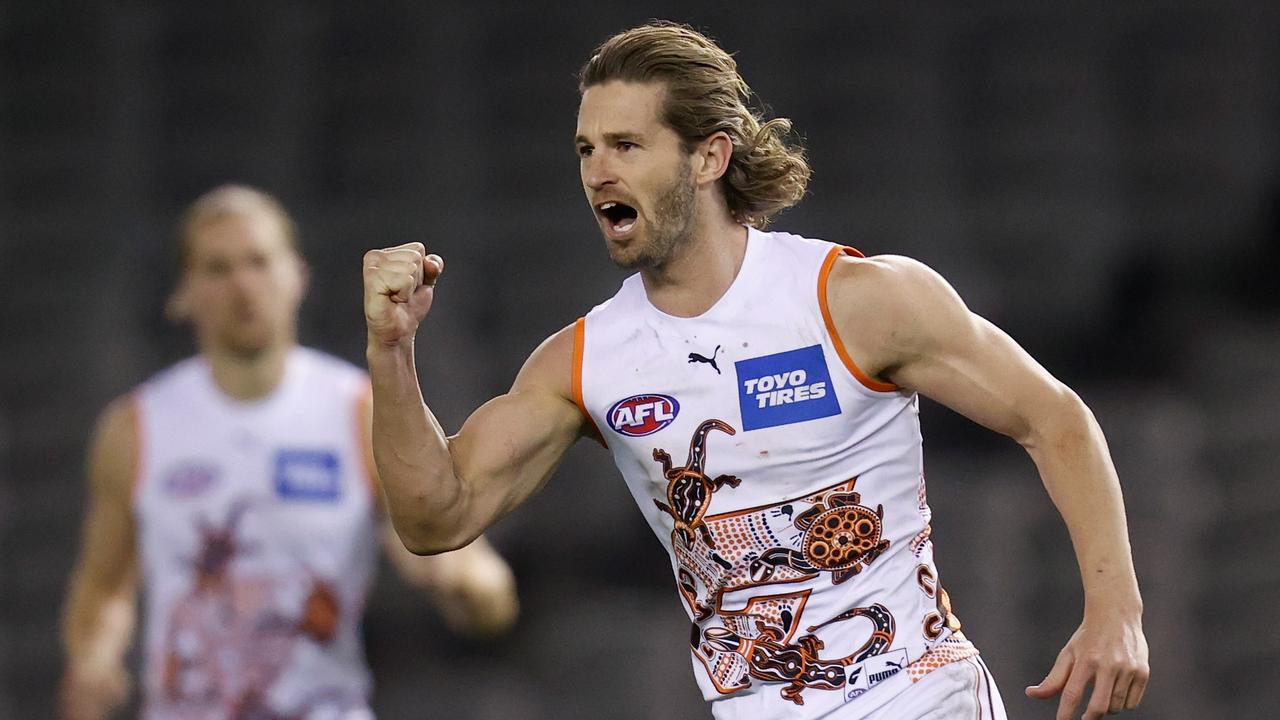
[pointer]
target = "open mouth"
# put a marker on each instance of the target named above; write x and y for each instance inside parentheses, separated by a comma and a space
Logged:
(620, 216)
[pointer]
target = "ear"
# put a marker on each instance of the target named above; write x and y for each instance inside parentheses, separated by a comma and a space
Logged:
(177, 309)
(714, 152)
(304, 278)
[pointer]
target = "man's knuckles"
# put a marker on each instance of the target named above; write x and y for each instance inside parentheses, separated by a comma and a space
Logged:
(403, 253)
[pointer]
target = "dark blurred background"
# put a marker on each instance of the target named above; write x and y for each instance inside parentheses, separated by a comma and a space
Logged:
(1100, 179)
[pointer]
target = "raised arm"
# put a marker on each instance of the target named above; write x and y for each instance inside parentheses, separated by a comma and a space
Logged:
(904, 324)
(441, 491)
(101, 608)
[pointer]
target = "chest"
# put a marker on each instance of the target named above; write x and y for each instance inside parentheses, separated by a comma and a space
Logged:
(263, 488)
(765, 402)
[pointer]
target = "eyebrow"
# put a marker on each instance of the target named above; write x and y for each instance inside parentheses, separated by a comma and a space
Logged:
(612, 137)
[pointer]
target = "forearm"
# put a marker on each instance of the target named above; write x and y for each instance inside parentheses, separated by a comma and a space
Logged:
(97, 627)
(1075, 465)
(425, 498)
(473, 587)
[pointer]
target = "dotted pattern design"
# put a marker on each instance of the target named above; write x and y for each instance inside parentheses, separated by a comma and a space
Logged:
(730, 667)
(948, 651)
(729, 670)
(840, 536)
(922, 498)
(741, 537)
(918, 542)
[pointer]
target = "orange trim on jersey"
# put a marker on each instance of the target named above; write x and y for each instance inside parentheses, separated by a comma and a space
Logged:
(853, 368)
(139, 447)
(579, 349)
(362, 410)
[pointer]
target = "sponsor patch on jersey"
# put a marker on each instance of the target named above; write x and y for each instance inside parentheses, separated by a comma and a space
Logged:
(641, 415)
(784, 388)
(873, 671)
(308, 475)
(190, 479)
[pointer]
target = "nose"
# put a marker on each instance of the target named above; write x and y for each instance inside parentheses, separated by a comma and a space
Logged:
(245, 279)
(597, 172)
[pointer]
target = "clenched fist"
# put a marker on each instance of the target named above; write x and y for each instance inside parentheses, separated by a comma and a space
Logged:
(399, 285)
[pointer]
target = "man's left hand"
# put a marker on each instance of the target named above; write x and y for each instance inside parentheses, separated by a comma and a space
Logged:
(1109, 651)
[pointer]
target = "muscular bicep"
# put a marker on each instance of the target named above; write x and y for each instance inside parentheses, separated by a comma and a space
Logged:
(512, 444)
(919, 335)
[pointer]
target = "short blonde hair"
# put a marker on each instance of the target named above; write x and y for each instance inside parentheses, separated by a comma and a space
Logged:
(231, 201)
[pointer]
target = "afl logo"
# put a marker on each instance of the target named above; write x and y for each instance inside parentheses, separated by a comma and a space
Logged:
(187, 480)
(641, 415)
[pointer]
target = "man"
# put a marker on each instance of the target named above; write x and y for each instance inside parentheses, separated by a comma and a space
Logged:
(759, 394)
(239, 486)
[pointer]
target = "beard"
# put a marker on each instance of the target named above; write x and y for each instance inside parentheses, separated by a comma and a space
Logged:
(672, 225)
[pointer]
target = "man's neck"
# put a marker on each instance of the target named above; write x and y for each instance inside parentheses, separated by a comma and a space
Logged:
(248, 377)
(701, 271)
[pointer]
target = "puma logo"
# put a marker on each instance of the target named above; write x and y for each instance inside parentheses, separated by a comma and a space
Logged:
(696, 358)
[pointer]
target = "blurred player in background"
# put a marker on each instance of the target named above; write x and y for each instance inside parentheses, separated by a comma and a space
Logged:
(238, 486)
(758, 391)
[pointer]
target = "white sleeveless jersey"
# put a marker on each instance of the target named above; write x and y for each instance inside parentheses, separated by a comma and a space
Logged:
(257, 534)
(786, 485)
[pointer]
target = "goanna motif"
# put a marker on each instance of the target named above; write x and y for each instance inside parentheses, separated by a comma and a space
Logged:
(689, 488)
(724, 561)
(771, 656)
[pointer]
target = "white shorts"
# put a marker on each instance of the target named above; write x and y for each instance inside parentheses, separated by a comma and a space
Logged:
(961, 690)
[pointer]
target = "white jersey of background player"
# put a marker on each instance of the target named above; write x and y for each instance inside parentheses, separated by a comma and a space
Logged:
(674, 165)
(235, 486)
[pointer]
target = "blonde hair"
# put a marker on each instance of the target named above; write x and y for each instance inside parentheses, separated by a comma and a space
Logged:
(705, 94)
(231, 201)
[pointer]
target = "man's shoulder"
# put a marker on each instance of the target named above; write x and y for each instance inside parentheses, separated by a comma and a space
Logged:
(120, 416)
(881, 278)
(888, 307)
(114, 447)
(554, 363)
(560, 346)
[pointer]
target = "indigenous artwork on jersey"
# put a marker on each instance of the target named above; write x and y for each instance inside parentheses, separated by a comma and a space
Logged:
(770, 656)
(689, 489)
(231, 637)
(723, 561)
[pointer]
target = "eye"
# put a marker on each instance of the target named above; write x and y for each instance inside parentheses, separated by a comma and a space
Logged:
(625, 146)
(584, 151)
(216, 268)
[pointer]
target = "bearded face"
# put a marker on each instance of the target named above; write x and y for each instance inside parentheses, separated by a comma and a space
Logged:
(636, 173)
(672, 224)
